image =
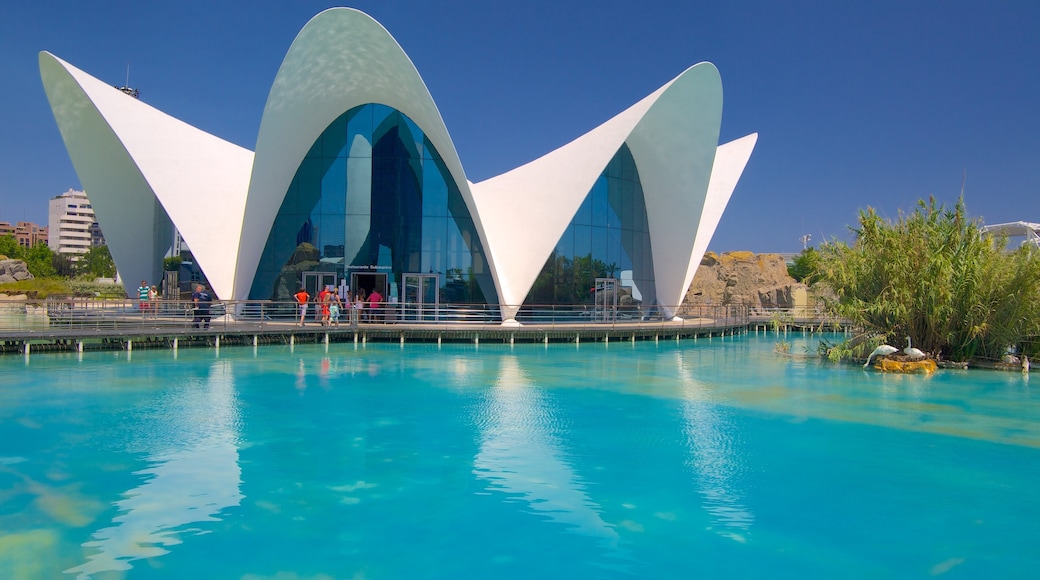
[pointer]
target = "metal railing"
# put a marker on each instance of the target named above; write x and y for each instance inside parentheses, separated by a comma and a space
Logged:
(56, 314)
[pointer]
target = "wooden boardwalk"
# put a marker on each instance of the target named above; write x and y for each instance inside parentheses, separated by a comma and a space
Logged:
(81, 326)
(247, 333)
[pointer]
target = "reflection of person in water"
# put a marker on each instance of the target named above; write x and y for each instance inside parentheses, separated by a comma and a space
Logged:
(301, 378)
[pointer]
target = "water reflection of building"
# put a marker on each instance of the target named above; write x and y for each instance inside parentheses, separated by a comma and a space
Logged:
(355, 178)
(193, 475)
(716, 464)
(519, 455)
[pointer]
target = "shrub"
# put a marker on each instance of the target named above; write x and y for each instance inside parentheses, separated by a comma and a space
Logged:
(935, 276)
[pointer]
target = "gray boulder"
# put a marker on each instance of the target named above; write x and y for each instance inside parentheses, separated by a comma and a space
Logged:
(13, 270)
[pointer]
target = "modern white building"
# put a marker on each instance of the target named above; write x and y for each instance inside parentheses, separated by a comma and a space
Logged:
(355, 180)
(1020, 233)
(72, 226)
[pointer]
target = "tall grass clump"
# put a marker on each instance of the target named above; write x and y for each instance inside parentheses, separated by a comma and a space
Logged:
(935, 276)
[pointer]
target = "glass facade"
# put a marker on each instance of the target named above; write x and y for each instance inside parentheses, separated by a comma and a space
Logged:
(371, 202)
(608, 238)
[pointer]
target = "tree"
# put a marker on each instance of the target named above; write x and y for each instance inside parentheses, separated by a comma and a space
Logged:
(98, 262)
(39, 259)
(170, 263)
(63, 265)
(9, 247)
(804, 266)
(935, 276)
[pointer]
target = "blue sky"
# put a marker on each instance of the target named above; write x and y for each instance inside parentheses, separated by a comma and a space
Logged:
(857, 104)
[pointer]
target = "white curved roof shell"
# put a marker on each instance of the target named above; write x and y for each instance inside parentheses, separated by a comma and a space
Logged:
(340, 60)
(132, 158)
(224, 199)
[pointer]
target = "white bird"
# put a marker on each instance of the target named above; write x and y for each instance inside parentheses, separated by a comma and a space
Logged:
(912, 352)
(882, 350)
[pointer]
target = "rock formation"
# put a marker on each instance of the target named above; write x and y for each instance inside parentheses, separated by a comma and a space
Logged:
(13, 271)
(757, 280)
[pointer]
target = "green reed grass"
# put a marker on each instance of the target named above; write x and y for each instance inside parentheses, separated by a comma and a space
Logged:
(935, 276)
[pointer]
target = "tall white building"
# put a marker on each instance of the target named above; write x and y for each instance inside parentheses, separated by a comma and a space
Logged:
(73, 228)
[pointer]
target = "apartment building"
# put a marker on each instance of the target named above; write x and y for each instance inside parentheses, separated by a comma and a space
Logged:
(28, 234)
(72, 226)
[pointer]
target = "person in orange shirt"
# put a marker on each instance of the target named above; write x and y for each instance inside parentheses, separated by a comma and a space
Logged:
(323, 304)
(302, 297)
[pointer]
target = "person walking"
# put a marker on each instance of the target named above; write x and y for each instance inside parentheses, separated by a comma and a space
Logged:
(153, 300)
(323, 303)
(301, 298)
(334, 308)
(202, 300)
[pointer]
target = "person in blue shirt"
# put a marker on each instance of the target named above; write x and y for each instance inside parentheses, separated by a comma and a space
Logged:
(202, 299)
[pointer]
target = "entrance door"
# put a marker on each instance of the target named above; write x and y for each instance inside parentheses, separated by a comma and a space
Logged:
(313, 283)
(369, 281)
(421, 297)
(606, 291)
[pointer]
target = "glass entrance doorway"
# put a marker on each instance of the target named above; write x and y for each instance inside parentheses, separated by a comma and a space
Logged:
(367, 282)
(606, 291)
(314, 282)
(421, 298)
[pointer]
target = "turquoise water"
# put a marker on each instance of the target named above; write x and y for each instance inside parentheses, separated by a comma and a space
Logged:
(711, 458)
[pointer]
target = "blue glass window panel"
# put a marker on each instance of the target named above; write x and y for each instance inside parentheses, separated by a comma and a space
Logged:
(411, 137)
(428, 151)
(584, 214)
(629, 248)
(359, 185)
(334, 138)
(565, 245)
(333, 186)
(455, 249)
(613, 220)
(599, 243)
(379, 120)
(384, 128)
(360, 126)
(627, 164)
(582, 241)
(308, 185)
(435, 190)
(616, 202)
(434, 230)
(628, 205)
(600, 205)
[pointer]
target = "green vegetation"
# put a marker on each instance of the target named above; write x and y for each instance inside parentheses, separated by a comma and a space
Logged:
(172, 263)
(780, 319)
(569, 281)
(98, 263)
(57, 275)
(39, 259)
(40, 288)
(804, 265)
(935, 276)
